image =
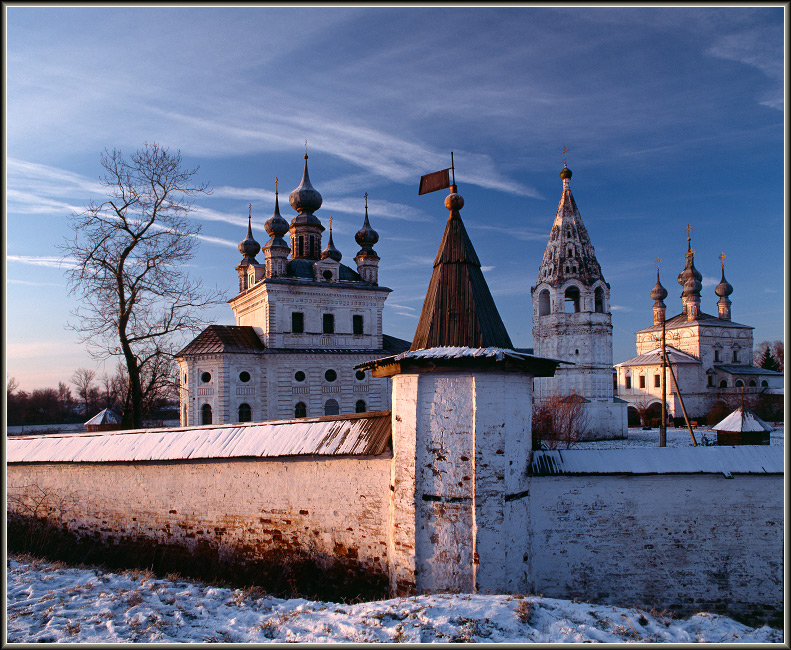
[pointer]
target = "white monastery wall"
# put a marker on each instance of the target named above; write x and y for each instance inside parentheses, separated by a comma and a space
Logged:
(699, 542)
(331, 506)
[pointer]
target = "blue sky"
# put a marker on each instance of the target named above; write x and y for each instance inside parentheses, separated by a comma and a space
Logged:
(672, 116)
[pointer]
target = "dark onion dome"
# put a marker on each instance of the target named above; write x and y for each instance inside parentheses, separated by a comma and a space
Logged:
(330, 251)
(249, 247)
(366, 236)
(305, 199)
(658, 293)
(689, 269)
(692, 286)
(723, 288)
(276, 226)
(565, 173)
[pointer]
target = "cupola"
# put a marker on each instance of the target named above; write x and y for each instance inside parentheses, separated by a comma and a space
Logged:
(276, 250)
(330, 251)
(249, 247)
(367, 260)
(723, 290)
(305, 228)
(658, 295)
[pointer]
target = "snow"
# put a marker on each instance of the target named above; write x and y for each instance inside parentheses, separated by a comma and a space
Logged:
(676, 437)
(742, 420)
(49, 602)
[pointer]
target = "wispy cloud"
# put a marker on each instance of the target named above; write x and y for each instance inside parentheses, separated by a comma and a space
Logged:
(30, 283)
(620, 308)
(50, 262)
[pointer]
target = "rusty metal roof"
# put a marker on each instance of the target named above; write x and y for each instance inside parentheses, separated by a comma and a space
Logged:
(459, 309)
(361, 434)
(224, 338)
(747, 459)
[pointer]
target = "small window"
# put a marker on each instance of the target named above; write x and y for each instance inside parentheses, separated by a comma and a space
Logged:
(598, 300)
(245, 413)
(752, 383)
(299, 375)
(724, 384)
(328, 323)
(717, 355)
(735, 356)
(628, 382)
(301, 246)
(244, 376)
(642, 381)
(297, 322)
(330, 375)
(739, 383)
(185, 378)
(313, 247)
(657, 383)
(711, 380)
(327, 275)
(359, 407)
(543, 303)
(331, 407)
(572, 300)
(357, 324)
(205, 377)
(359, 375)
(206, 414)
(765, 384)
(300, 410)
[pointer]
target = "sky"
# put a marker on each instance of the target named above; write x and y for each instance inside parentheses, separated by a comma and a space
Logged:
(672, 116)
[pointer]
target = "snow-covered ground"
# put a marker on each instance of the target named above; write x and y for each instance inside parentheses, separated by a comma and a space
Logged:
(53, 603)
(680, 437)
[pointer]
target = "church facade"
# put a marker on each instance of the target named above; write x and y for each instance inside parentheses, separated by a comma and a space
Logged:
(710, 356)
(572, 322)
(303, 321)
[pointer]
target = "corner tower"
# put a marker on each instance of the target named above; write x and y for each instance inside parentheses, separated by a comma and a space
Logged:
(572, 320)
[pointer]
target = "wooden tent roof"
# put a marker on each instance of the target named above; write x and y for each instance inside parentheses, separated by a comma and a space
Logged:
(459, 309)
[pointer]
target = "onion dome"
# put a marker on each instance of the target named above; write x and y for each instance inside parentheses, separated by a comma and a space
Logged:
(692, 286)
(724, 288)
(366, 236)
(565, 173)
(689, 269)
(658, 293)
(276, 226)
(305, 199)
(249, 247)
(330, 251)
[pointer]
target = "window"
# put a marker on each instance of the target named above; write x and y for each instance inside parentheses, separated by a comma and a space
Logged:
(359, 375)
(752, 383)
(628, 382)
(357, 324)
(359, 407)
(598, 301)
(205, 377)
(299, 375)
(244, 376)
(717, 355)
(543, 303)
(572, 300)
(765, 384)
(206, 414)
(301, 246)
(245, 413)
(735, 356)
(642, 381)
(330, 375)
(327, 275)
(185, 378)
(313, 246)
(711, 380)
(724, 383)
(331, 407)
(739, 383)
(328, 323)
(297, 322)
(657, 383)
(300, 410)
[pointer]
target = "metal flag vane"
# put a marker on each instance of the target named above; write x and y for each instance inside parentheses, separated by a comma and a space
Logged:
(438, 180)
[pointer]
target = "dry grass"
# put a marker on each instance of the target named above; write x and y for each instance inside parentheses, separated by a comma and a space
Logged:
(524, 611)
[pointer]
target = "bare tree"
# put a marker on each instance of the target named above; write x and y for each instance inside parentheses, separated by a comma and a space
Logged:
(11, 385)
(559, 419)
(642, 406)
(83, 382)
(130, 255)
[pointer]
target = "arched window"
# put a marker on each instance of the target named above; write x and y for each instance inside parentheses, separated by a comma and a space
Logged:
(543, 303)
(331, 407)
(300, 410)
(765, 384)
(739, 383)
(359, 407)
(245, 413)
(572, 300)
(723, 384)
(598, 300)
(752, 383)
(206, 414)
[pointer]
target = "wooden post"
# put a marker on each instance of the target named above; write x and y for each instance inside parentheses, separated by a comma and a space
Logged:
(683, 409)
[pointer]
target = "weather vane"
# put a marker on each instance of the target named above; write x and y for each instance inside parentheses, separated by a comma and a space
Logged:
(306, 147)
(249, 210)
(564, 155)
(330, 224)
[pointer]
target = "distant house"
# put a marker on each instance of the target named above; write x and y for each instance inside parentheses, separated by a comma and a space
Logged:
(104, 420)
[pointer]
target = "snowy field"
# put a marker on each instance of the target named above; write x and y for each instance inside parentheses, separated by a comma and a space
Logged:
(638, 437)
(52, 603)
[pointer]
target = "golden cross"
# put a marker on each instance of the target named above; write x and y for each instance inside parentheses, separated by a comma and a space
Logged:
(330, 224)
(722, 259)
(656, 261)
(564, 154)
(689, 230)
(366, 199)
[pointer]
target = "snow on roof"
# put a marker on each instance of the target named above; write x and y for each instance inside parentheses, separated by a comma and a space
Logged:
(459, 352)
(654, 357)
(105, 416)
(747, 370)
(742, 420)
(747, 459)
(359, 435)
(707, 320)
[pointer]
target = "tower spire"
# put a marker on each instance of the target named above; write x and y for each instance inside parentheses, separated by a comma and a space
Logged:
(723, 290)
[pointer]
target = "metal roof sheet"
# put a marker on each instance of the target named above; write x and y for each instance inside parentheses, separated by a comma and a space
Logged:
(746, 459)
(363, 434)
(740, 420)
(654, 357)
(224, 338)
(747, 370)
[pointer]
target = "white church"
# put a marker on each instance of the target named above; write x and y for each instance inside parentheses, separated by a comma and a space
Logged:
(303, 321)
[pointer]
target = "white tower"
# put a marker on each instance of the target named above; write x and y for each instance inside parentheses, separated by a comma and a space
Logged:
(572, 321)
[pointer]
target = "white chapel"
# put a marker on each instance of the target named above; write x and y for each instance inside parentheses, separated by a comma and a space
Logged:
(303, 321)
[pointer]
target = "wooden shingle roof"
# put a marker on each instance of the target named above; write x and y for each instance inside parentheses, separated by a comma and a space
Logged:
(459, 309)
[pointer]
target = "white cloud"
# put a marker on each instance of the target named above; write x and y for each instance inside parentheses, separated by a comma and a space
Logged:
(486, 269)
(50, 262)
(35, 284)
(620, 308)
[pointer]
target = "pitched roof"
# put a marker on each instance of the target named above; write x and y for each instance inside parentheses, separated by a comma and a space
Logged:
(707, 320)
(459, 309)
(654, 358)
(364, 434)
(105, 416)
(742, 420)
(747, 370)
(224, 338)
